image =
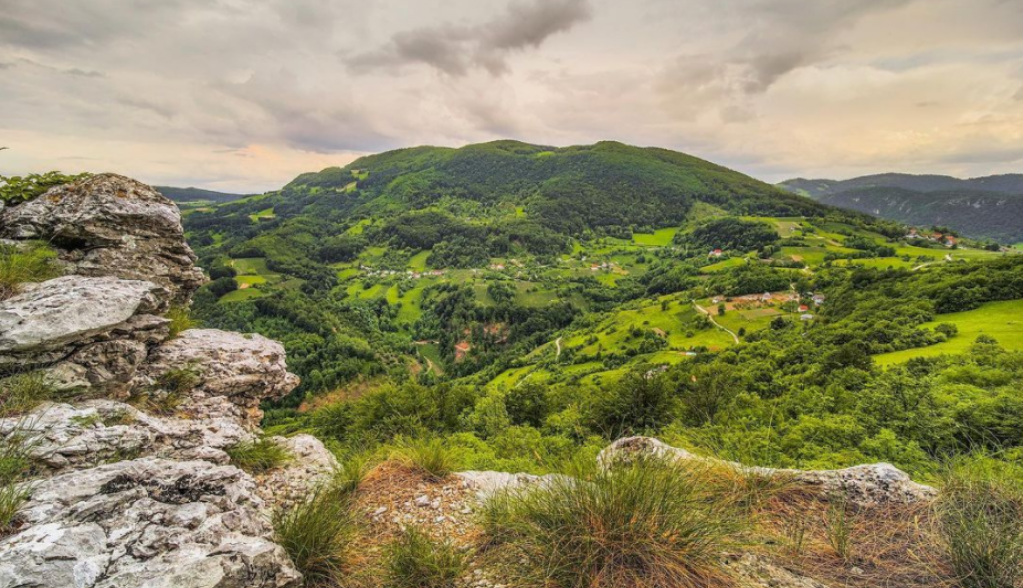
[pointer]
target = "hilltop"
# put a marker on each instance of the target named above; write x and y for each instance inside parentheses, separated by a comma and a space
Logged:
(985, 207)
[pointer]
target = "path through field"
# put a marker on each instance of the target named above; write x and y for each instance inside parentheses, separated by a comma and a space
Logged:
(714, 322)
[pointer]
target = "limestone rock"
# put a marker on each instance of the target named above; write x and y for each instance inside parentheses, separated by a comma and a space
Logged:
(110, 225)
(488, 483)
(59, 437)
(96, 330)
(751, 571)
(311, 464)
(864, 485)
(245, 369)
(145, 523)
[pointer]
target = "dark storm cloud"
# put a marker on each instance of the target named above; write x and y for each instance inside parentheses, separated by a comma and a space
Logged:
(456, 49)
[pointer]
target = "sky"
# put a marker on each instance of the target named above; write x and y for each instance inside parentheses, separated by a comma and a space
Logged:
(243, 95)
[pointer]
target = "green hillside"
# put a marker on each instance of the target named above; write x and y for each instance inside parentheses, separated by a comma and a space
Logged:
(552, 285)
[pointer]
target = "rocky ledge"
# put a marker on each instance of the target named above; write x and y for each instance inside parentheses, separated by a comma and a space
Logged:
(133, 485)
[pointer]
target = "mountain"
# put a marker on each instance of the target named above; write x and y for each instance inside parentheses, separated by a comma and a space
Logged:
(985, 207)
(197, 195)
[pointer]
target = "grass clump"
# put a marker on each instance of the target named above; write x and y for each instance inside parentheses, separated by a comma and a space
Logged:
(180, 320)
(317, 534)
(258, 456)
(416, 560)
(21, 393)
(14, 465)
(644, 524)
(31, 262)
(980, 522)
(433, 456)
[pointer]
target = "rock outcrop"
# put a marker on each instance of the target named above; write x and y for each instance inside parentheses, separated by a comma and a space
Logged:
(146, 522)
(89, 332)
(245, 369)
(121, 497)
(61, 437)
(863, 485)
(110, 225)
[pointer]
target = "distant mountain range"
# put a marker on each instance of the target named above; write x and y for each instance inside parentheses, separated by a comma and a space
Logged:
(988, 207)
(197, 194)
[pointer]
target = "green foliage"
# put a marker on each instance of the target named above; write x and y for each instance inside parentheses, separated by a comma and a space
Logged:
(18, 189)
(258, 456)
(317, 533)
(180, 320)
(29, 262)
(20, 393)
(415, 560)
(980, 521)
(731, 234)
(642, 524)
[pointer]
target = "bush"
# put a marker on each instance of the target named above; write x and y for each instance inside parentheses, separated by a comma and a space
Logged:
(644, 524)
(33, 262)
(432, 457)
(316, 533)
(415, 560)
(980, 522)
(258, 456)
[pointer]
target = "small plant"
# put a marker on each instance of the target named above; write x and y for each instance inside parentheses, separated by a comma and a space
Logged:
(258, 456)
(18, 189)
(415, 560)
(433, 457)
(157, 401)
(14, 464)
(87, 421)
(178, 380)
(980, 522)
(644, 524)
(31, 262)
(838, 527)
(317, 533)
(351, 472)
(21, 393)
(180, 320)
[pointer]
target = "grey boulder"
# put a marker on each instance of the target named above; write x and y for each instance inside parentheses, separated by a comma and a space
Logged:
(146, 523)
(244, 369)
(110, 225)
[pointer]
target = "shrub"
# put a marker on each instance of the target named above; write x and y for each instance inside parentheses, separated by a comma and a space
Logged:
(415, 560)
(33, 262)
(643, 524)
(316, 533)
(180, 320)
(18, 189)
(980, 522)
(258, 456)
(432, 456)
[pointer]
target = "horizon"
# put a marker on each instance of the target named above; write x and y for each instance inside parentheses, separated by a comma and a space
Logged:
(240, 96)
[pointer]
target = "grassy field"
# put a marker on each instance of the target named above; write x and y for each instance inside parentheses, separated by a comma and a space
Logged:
(1001, 320)
(266, 213)
(660, 238)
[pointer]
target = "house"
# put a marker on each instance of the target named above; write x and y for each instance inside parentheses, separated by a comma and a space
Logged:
(806, 317)
(950, 241)
(497, 266)
(818, 299)
(803, 308)
(766, 297)
(461, 350)
(913, 234)
(716, 253)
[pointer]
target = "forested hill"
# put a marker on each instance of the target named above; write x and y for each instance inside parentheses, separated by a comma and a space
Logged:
(607, 186)
(986, 207)
(197, 195)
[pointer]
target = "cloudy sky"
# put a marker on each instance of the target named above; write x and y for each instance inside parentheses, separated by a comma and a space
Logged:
(242, 95)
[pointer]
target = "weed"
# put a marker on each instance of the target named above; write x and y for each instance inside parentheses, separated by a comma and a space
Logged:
(180, 320)
(415, 560)
(33, 262)
(258, 456)
(317, 533)
(431, 456)
(838, 527)
(21, 393)
(644, 524)
(980, 522)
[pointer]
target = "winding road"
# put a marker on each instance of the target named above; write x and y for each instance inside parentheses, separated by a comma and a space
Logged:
(714, 322)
